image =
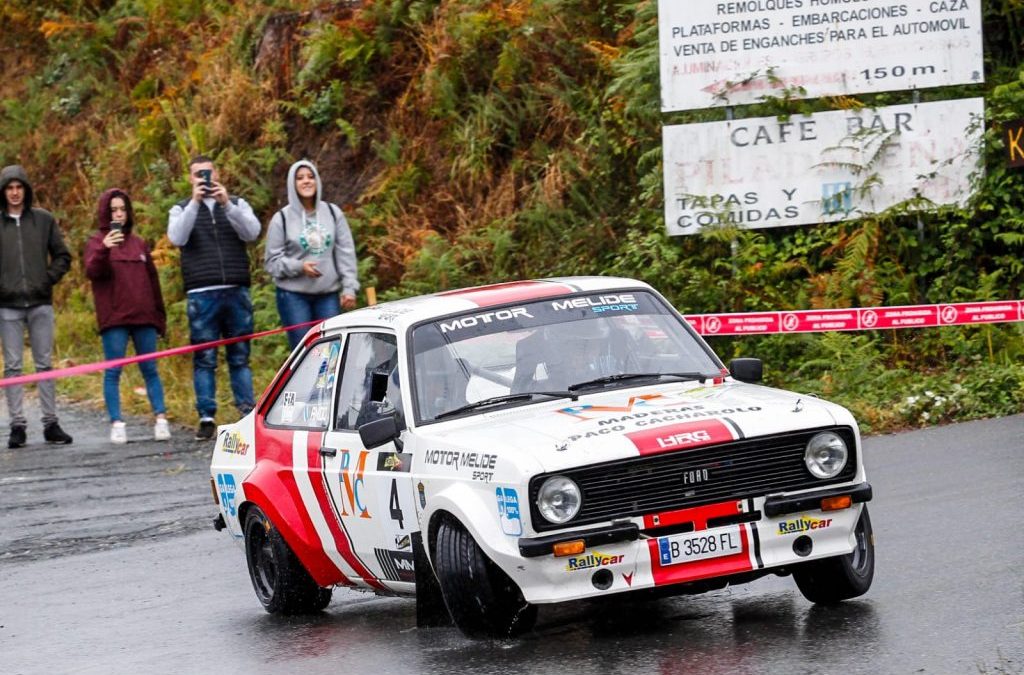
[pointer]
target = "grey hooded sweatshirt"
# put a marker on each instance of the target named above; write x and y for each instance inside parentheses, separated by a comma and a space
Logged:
(294, 236)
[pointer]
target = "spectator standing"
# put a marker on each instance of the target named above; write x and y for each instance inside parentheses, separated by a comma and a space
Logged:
(212, 229)
(126, 291)
(310, 254)
(33, 258)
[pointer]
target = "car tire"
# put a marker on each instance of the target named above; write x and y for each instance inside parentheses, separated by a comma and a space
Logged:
(839, 578)
(282, 584)
(481, 598)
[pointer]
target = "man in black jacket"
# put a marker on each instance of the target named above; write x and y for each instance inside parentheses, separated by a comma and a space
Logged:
(33, 258)
(212, 229)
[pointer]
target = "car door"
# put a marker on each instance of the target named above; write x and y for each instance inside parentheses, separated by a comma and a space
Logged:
(372, 487)
(294, 431)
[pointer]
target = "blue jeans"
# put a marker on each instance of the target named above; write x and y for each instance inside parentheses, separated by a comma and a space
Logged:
(223, 312)
(301, 307)
(115, 345)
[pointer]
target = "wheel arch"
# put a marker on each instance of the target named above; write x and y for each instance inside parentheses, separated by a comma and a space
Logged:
(467, 505)
(265, 489)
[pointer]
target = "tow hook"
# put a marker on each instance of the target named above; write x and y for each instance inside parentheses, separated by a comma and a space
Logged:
(218, 522)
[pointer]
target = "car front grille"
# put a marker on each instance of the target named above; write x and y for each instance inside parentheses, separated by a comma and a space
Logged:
(751, 467)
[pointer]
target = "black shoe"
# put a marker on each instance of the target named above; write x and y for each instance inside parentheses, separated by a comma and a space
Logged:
(17, 438)
(206, 430)
(54, 434)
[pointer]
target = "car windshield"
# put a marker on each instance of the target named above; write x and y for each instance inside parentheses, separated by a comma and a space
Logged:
(573, 344)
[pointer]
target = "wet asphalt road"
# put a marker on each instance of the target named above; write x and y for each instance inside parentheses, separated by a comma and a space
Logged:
(108, 564)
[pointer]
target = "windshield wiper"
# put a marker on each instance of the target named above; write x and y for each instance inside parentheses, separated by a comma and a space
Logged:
(507, 398)
(608, 379)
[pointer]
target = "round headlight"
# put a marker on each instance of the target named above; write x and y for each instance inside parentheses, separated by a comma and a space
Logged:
(826, 455)
(558, 499)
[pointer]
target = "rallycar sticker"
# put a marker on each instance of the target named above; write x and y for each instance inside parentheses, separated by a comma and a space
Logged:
(234, 443)
(803, 524)
(591, 560)
(508, 511)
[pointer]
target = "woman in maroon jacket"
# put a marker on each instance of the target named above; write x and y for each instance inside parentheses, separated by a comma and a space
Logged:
(126, 289)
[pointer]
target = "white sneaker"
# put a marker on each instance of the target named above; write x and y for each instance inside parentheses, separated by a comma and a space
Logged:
(118, 433)
(162, 430)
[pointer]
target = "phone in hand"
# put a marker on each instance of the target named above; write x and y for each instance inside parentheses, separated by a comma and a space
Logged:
(117, 227)
(207, 176)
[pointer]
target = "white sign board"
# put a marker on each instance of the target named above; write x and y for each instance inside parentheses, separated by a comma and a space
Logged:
(733, 52)
(770, 172)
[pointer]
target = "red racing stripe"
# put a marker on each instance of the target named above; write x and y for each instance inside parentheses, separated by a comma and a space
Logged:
(318, 479)
(513, 291)
(320, 566)
(682, 436)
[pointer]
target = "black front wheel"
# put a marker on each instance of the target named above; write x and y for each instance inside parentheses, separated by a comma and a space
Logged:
(842, 577)
(282, 584)
(481, 598)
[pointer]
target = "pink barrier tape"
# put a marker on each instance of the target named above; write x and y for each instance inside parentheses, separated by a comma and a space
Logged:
(128, 360)
(742, 323)
(867, 318)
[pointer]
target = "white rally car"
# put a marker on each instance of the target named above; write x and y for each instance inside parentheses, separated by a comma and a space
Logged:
(492, 449)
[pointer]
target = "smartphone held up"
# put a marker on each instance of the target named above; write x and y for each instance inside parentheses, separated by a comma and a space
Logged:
(206, 175)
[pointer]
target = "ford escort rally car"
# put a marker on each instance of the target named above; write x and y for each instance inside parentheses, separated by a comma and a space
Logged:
(492, 449)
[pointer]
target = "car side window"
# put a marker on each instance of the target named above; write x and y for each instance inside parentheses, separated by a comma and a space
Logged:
(305, 400)
(369, 386)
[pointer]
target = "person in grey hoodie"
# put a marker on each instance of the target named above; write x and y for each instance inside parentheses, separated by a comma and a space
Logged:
(310, 254)
(33, 258)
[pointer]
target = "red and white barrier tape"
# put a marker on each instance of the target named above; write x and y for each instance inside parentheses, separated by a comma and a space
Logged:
(867, 318)
(742, 323)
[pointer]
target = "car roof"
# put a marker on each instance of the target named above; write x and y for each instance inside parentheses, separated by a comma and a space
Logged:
(400, 314)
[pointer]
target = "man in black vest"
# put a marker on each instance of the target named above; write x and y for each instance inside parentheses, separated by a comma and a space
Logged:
(212, 229)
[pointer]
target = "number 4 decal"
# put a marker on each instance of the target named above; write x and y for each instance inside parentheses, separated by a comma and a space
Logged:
(395, 506)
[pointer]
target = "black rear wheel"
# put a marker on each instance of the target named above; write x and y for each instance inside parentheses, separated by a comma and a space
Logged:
(481, 598)
(282, 584)
(842, 577)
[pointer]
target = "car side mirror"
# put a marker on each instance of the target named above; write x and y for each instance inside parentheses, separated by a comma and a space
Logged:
(746, 370)
(380, 432)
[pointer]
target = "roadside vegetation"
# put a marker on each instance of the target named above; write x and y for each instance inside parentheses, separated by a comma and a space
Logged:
(481, 141)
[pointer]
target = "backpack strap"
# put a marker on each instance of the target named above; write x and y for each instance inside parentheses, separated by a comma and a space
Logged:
(284, 223)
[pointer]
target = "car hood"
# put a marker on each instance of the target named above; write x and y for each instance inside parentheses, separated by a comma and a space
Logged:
(627, 423)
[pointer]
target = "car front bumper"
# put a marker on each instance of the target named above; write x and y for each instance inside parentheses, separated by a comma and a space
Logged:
(751, 536)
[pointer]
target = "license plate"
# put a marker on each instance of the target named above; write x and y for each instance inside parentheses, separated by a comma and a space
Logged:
(683, 548)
